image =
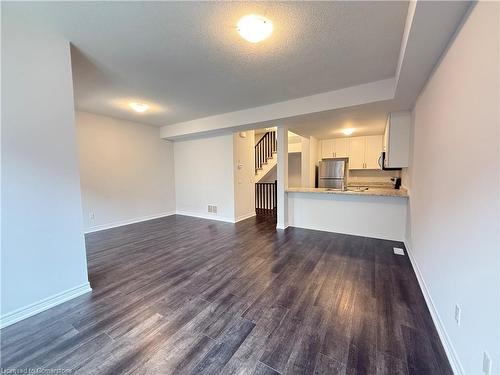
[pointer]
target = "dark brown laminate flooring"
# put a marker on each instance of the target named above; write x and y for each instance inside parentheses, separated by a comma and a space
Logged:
(181, 295)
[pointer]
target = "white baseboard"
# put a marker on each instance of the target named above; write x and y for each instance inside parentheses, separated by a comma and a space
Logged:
(96, 228)
(206, 216)
(443, 335)
(244, 217)
(282, 226)
(42, 305)
(116, 224)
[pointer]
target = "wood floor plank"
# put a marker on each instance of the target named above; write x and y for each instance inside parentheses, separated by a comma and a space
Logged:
(262, 369)
(221, 353)
(328, 366)
(247, 356)
(187, 295)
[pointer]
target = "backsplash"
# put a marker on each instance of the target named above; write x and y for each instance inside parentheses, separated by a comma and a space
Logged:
(379, 176)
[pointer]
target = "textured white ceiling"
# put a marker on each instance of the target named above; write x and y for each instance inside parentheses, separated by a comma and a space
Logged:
(368, 119)
(188, 60)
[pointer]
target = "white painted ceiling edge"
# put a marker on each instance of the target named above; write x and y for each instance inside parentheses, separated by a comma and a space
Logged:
(399, 93)
(351, 96)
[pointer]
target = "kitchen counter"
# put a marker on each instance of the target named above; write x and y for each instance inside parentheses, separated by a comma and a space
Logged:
(372, 191)
(379, 212)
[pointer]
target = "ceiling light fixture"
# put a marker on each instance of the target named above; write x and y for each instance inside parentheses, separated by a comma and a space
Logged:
(139, 107)
(348, 131)
(254, 28)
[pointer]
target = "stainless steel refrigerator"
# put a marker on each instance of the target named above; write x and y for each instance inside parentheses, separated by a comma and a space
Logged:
(333, 173)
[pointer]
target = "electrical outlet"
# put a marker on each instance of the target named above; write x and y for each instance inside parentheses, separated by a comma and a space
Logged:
(486, 364)
(212, 209)
(398, 251)
(91, 216)
(458, 313)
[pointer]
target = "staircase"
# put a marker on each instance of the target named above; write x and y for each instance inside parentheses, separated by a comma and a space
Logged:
(265, 151)
(265, 161)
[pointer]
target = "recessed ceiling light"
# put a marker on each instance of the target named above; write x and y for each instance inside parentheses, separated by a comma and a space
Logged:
(348, 131)
(139, 107)
(254, 28)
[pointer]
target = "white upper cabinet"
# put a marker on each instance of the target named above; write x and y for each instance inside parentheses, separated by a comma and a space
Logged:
(373, 149)
(335, 148)
(357, 153)
(397, 140)
(363, 152)
(327, 148)
(341, 147)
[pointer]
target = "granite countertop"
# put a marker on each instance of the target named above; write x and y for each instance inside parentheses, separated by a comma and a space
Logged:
(355, 190)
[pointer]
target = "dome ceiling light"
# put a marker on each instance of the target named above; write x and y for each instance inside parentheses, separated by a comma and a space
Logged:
(254, 28)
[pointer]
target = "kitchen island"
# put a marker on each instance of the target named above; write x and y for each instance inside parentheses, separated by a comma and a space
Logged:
(355, 190)
(377, 212)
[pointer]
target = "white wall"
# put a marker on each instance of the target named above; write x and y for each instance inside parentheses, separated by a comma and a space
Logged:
(43, 251)
(282, 177)
(305, 162)
(204, 175)
(244, 174)
(455, 202)
(126, 171)
(294, 169)
(313, 160)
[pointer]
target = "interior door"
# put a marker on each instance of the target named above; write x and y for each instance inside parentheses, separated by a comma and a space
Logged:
(341, 147)
(373, 148)
(356, 152)
(327, 148)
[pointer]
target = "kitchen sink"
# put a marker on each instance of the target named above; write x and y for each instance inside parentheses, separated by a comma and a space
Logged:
(358, 189)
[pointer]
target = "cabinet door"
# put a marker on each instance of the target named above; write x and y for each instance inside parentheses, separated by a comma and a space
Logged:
(397, 153)
(327, 146)
(356, 152)
(373, 149)
(386, 135)
(341, 147)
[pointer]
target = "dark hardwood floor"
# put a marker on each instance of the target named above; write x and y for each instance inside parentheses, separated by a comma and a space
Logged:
(186, 295)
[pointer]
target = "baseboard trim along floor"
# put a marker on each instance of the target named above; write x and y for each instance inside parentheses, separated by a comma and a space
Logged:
(115, 224)
(206, 216)
(97, 228)
(42, 305)
(443, 335)
(244, 217)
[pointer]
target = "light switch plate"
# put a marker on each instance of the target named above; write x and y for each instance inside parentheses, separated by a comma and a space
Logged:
(398, 251)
